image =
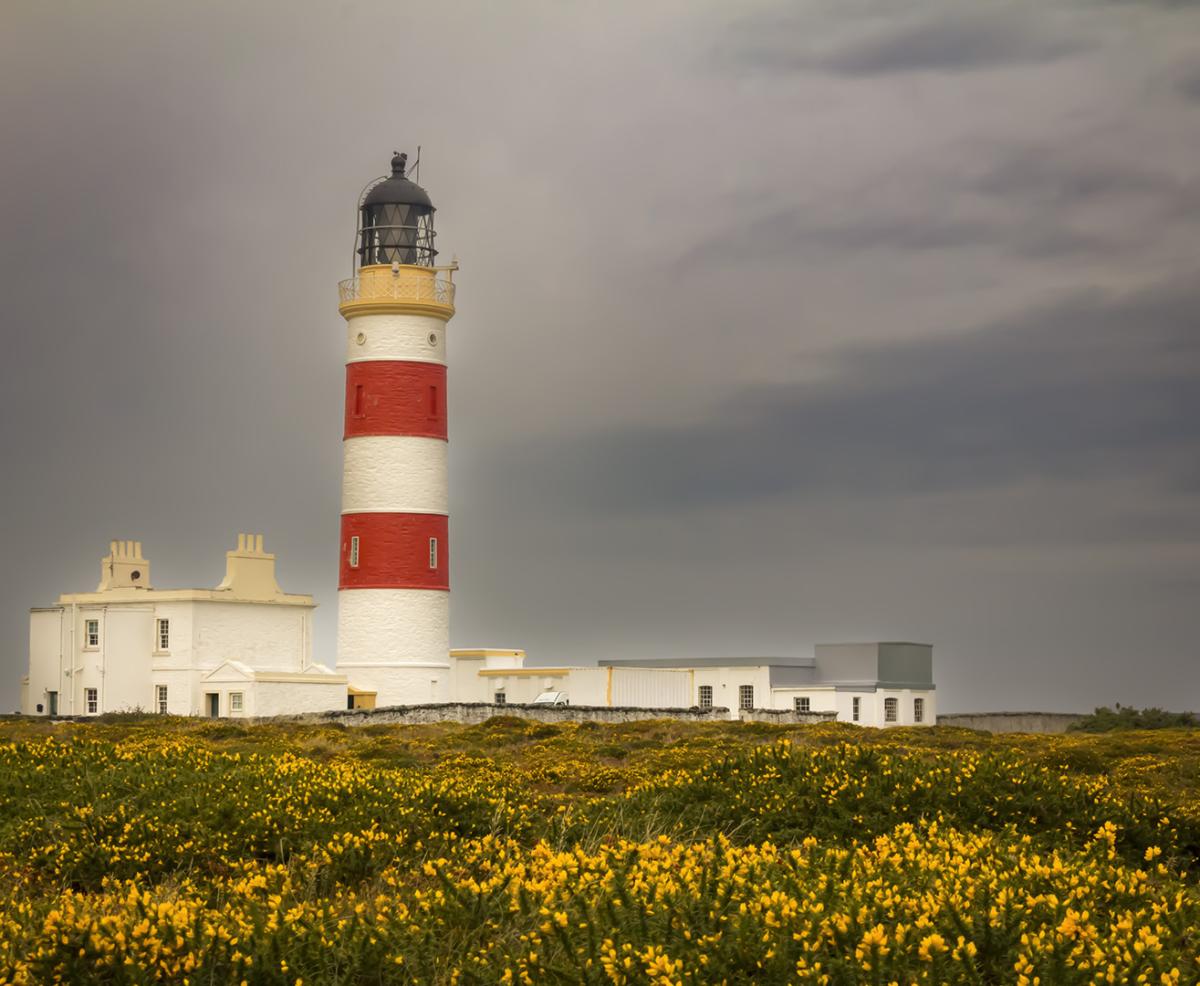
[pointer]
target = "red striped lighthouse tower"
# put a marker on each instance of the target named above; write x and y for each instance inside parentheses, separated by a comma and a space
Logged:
(394, 575)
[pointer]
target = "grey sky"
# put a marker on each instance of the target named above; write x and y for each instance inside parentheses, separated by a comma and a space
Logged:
(778, 323)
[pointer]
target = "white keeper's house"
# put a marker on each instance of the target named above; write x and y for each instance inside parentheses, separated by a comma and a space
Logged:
(243, 648)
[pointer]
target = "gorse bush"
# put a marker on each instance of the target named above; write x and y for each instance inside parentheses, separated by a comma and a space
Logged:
(650, 853)
(1105, 720)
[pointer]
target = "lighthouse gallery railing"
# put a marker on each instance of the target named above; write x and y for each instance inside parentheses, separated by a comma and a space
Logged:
(380, 284)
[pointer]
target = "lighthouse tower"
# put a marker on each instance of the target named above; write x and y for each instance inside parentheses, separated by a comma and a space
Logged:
(394, 573)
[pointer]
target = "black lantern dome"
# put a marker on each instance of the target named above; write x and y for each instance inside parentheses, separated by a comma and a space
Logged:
(396, 221)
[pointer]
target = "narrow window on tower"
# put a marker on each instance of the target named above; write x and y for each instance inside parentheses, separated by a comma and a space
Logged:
(354, 552)
(358, 400)
(433, 559)
(433, 400)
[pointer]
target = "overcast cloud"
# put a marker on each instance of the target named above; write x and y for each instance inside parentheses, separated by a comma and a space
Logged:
(778, 323)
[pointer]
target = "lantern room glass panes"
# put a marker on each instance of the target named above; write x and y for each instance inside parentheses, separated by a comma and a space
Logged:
(397, 234)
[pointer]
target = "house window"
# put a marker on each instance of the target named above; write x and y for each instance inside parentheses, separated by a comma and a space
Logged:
(803, 704)
(91, 632)
(856, 708)
(745, 696)
(164, 635)
(501, 698)
(354, 552)
(235, 701)
(891, 709)
(433, 559)
(160, 698)
(918, 710)
(706, 696)
(92, 697)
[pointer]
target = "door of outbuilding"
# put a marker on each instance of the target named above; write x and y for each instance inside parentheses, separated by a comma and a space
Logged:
(212, 702)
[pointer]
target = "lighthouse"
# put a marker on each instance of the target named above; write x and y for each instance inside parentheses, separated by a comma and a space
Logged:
(394, 571)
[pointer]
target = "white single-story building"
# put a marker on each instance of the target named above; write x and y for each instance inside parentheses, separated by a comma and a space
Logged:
(875, 684)
(241, 649)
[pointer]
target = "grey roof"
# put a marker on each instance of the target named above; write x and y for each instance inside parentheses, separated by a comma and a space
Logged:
(715, 662)
(876, 643)
(398, 190)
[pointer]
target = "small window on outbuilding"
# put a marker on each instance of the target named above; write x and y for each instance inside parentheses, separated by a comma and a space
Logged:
(856, 708)
(918, 710)
(803, 703)
(92, 697)
(501, 698)
(891, 709)
(705, 696)
(236, 702)
(745, 696)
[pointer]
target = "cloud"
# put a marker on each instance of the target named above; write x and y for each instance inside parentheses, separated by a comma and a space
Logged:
(941, 40)
(955, 42)
(1088, 390)
(1189, 85)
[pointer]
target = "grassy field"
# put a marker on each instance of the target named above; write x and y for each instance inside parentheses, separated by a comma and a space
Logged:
(152, 850)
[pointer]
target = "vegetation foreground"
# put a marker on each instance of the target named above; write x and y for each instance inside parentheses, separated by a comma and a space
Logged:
(151, 850)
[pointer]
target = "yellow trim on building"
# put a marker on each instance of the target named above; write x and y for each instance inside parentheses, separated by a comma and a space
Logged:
(485, 652)
(300, 676)
(524, 672)
(176, 595)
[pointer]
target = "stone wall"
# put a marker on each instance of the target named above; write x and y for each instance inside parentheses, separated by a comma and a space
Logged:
(471, 713)
(785, 717)
(1013, 722)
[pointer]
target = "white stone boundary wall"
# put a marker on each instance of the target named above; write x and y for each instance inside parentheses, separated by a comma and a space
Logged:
(472, 713)
(786, 717)
(1013, 722)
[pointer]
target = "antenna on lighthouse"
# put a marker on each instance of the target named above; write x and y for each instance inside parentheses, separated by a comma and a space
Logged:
(416, 168)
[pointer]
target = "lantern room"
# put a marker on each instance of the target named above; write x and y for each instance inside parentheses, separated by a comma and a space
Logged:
(395, 223)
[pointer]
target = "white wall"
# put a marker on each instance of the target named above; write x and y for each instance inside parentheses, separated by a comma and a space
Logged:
(47, 633)
(121, 670)
(820, 699)
(725, 682)
(181, 693)
(465, 683)
(652, 688)
(264, 637)
(524, 688)
(275, 698)
(394, 627)
(399, 684)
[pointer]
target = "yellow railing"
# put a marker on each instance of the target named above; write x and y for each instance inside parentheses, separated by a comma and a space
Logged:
(382, 283)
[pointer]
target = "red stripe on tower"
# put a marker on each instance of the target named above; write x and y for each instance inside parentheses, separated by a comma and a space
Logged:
(395, 397)
(395, 551)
